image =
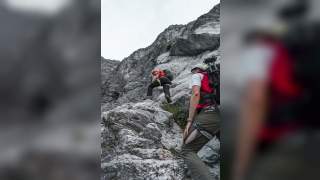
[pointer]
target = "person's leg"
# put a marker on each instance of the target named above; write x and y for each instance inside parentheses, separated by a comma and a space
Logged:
(292, 157)
(199, 170)
(166, 90)
(151, 86)
(210, 121)
(165, 82)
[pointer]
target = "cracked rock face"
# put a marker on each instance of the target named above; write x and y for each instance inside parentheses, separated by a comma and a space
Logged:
(140, 140)
(107, 66)
(195, 44)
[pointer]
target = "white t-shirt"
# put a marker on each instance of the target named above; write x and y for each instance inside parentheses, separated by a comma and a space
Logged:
(196, 80)
(255, 63)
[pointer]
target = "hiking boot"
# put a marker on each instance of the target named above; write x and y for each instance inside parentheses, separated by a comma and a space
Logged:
(166, 90)
(148, 97)
(168, 99)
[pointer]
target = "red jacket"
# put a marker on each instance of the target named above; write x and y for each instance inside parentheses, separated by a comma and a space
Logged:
(205, 89)
(282, 89)
(158, 74)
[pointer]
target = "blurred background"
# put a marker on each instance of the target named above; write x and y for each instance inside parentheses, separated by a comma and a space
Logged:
(269, 79)
(50, 89)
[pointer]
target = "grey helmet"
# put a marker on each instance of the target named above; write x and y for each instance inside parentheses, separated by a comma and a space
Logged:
(201, 66)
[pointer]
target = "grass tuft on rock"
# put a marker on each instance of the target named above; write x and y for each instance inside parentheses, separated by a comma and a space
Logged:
(179, 113)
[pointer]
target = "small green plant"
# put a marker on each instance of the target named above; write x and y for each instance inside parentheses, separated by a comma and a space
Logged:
(179, 114)
(174, 152)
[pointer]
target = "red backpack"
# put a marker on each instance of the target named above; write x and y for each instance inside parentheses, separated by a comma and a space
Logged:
(284, 92)
(294, 82)
(206, 92)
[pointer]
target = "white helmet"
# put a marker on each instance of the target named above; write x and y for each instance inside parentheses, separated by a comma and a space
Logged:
(156, 70)
(201, 66)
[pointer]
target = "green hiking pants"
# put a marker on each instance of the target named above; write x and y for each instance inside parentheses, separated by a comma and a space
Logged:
(294, 157)
(209, 121)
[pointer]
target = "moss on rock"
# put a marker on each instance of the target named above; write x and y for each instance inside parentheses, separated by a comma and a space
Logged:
(179, 113)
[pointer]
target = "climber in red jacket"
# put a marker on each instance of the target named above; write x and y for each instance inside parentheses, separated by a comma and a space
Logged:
(160, 78)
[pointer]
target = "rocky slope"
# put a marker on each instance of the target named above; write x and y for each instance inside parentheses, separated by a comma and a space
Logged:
(107, 67)
(140, 139)
(178, 47)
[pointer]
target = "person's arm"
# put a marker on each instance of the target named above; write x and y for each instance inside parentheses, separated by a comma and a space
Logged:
(194, 101)
(251, 121)
(155, 76)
